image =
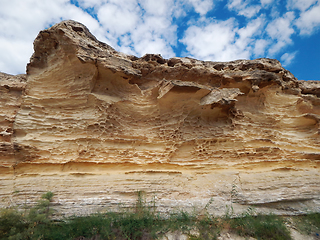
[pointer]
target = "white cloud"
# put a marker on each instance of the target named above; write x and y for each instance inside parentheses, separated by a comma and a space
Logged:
(309, 21)
(15, 54)
(150, 26)
(243, 7)
(118, 19)
(287, 58)
(280, 30)
(247, 33)
(260, 47)
(212, 41)
(154, 35)
(202, 6)
(90, 3)
(266, 2)
(301, 5)
(156, 7)
(224, 40)
(144, 28)
(21, 21)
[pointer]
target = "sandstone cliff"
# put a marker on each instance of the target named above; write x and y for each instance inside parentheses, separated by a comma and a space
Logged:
(94, 126)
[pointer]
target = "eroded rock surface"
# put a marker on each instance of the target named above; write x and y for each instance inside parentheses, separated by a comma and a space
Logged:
(95, 126)
(11, 89)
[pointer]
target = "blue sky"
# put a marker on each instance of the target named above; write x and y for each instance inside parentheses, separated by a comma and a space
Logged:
(215, 30)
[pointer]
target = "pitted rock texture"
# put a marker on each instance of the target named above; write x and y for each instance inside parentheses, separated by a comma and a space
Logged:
(11, 89)
(95, 126)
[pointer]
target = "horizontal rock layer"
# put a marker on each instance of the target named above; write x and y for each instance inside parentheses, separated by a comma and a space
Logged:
(95, 126)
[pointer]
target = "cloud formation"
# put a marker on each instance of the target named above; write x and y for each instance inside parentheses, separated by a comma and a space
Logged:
(287, 58)
(22, 20)
(244, 7)
(280, 31)
(309, 20)
(217, 30)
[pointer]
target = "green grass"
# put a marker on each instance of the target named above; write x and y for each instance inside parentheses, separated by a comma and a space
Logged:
(139, 222)
(142, 222)
(308, 224)
(261, 227)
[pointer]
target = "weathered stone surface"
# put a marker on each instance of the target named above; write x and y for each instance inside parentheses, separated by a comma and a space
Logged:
(11, 89)
(94, 126)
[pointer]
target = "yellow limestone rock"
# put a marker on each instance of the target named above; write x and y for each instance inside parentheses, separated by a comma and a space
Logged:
(95, 126)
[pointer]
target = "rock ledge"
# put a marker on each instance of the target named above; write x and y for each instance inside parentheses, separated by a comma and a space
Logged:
(95, 126)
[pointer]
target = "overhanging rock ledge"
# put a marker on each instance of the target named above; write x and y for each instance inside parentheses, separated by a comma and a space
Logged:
(95, 126)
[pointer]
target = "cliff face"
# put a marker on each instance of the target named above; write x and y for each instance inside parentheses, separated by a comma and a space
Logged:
(11, 89)
(95, 126)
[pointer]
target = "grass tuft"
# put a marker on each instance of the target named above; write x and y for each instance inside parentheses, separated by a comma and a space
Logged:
(143, 222)
(308, 224)
(260, 226)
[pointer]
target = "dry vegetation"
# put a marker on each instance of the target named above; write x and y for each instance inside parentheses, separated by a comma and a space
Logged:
(143, 222)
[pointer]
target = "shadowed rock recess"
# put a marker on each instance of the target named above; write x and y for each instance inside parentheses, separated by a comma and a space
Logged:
(95, 126)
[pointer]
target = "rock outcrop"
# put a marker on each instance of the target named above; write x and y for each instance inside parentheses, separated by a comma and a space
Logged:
(95, 126)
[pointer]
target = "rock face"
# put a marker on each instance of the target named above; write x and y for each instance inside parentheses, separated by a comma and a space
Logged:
(11, 88)
(95, 126)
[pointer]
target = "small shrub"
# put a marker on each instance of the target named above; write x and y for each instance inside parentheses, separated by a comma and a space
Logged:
(261, 227)
(89, 226)
(208, 228)
(48, 195)
(197, 227)
(309, 223)
(41, 212)
(12, 223)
